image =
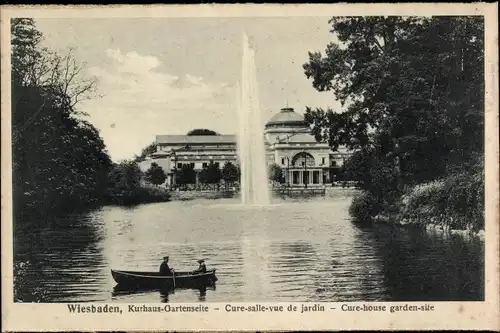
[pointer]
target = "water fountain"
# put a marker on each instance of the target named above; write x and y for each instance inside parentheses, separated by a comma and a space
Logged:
(251, 148)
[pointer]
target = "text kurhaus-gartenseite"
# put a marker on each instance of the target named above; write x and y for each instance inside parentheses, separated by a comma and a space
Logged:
(167, 308)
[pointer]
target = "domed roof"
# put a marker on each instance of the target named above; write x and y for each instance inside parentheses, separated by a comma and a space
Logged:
(286, 117)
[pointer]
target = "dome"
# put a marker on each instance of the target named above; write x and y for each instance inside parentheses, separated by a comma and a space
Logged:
(285, 118)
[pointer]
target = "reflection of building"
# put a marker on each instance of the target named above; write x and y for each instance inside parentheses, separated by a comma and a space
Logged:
(289, 145)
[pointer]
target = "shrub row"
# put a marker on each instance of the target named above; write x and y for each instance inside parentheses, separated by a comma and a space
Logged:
(454, 202)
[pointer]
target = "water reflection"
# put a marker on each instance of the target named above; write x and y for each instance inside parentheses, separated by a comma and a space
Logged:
(61, 259)
(421, 265)
(255, 251)
(126, 293)
(289, 251)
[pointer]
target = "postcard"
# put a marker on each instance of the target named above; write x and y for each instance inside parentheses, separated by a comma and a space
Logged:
(250, 167)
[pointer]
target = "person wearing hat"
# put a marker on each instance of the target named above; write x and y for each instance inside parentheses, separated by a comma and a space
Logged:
(202, 268)
(164, 268)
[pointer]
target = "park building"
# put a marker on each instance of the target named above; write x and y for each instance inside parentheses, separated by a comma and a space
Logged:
(289, 144)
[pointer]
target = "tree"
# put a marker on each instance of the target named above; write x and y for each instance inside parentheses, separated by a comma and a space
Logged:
(155, 174)
(230, 173)
(185, 175)
(146, 151)
(411, 89)
(275, 173)
(59, 160)
(124, 182)
(202, 131)
(58, 78)
(26, 53)
(211, 174)
(357, 166)
(125, 175)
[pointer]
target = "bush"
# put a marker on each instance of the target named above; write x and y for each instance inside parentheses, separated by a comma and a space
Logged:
(423, 201)
(364, 206)
(148, 194)
(456, 202)
(141, 195)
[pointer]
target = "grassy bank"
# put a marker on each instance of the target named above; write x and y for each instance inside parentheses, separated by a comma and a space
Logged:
(139, 195)
(455, 202)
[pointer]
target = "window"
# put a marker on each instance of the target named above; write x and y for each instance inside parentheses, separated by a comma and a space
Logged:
(191, 165)
(334, 163)
(315, 177)
(296, 177)
(282, 161)
(305, 177)
(216, 164)
(303, 158)
(204, 165)
(323, 160)
(179, 165)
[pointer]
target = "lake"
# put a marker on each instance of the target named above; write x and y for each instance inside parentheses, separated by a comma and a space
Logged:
(293, 250)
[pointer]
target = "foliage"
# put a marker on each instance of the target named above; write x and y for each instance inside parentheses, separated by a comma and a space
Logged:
(146, 151)
(34, 66)
(456, 202)
(202, 131)
(185, 175)
(230, 173)
(21, 278)
(415, 83)
(364, 206)
(275, 173)
(150, 195)
(126, 188)
(412, 96)
(357, 166)
(211, 174)
(124, 179)
(155, 174)
(59, 160)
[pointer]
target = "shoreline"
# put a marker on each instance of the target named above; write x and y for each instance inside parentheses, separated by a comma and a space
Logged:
(231, 193)
(394, 221)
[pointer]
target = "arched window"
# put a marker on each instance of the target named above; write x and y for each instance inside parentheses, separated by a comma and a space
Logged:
(302, 159)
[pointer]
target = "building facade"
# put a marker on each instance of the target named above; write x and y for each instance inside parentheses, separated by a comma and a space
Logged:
(289, 144)
(292, 147)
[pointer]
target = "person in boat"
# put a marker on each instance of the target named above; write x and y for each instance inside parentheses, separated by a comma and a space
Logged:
(164, 268)
(202, 268)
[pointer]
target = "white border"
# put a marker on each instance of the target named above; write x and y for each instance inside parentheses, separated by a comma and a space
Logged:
(448, 315)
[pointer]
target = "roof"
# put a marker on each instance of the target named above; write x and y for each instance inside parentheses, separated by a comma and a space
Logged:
(185, 139)
(160, 153)
(302, 138)
(286, 116)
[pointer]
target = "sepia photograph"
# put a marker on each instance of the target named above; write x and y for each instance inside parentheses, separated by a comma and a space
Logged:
(248, 159)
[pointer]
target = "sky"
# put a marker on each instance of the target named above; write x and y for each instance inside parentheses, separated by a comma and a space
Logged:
(170, 75)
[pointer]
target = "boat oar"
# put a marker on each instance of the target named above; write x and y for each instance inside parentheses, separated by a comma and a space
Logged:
(173, 277)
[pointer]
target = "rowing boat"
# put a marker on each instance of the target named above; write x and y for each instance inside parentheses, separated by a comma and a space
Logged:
(156, 280)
